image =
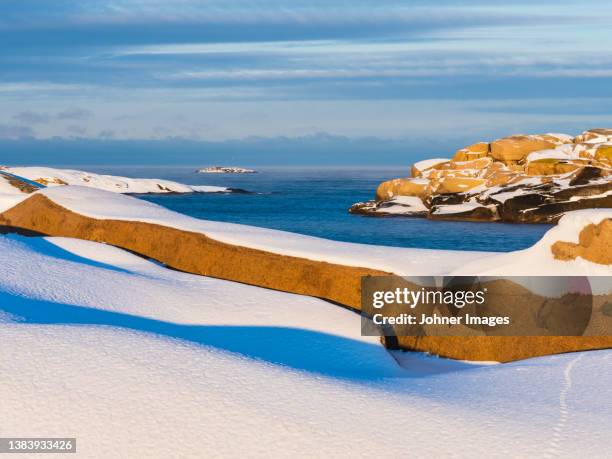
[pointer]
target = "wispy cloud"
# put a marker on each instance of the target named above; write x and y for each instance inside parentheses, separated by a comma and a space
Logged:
(121, 65)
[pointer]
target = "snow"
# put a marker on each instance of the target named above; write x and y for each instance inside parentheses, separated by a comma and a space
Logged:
(116, 281)
(402, 261)
(457, 208)
(538, 260)
(521, 188)
(565, 137)
(599, 139)
(557, 153)
(504, 196)
(56, 177)
(103, 205)
(402, 205)
(133, 360)
(429, 163)
(9, 195)
(535, 261)
(593, 196)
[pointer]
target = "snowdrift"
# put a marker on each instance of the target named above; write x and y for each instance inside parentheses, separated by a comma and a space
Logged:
(119, 352)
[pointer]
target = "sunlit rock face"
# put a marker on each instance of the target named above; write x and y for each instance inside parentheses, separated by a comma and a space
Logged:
(516, 148)
(521, 178)
(593, 245)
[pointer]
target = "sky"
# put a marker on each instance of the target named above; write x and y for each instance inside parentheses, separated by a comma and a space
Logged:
(421, 73)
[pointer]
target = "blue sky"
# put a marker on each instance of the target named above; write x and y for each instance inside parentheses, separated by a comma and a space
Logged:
(228, 69)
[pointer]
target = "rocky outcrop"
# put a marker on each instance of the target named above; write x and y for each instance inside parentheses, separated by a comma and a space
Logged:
(199, 254)
(518, 179)
(402, 187)
(193, 252)
(594, 245)
(405, 206)
(471, 152)
(594, 136)
(459, 184)
(418, 169)
(551, 166)
(516, 148)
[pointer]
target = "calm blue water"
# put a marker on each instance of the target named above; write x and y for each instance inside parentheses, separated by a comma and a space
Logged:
(315, 202)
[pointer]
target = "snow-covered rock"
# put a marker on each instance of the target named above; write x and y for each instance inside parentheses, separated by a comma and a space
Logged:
(103, 205)
(518, 179)
(54, 177)
(540, 260)
(419, 167)
(399, 205)
(279, 260)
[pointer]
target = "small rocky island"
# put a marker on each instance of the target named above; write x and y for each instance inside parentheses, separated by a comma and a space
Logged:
(517, 179)
(225, 170)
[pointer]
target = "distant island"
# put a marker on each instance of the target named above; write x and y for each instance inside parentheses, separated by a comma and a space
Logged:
(29, 179)
(225, 170)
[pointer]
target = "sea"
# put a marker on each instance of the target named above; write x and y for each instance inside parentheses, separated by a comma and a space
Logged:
(315, 201)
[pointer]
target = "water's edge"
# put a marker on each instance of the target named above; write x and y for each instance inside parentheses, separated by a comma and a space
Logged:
(315, 201)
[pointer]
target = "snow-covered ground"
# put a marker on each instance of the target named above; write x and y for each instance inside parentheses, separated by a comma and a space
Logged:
(9, 195)
(54, 177)
(139, 361)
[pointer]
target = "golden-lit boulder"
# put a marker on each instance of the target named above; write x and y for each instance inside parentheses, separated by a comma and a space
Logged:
(471, 152)
(453, 173)
(500, 178)
(516, 148)
(498, 174)
(515, 167)
(496, 166)
(402, 187)
(475, 164)
(459, 184)
(604, 154)
(593, 245)
(551, 166)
